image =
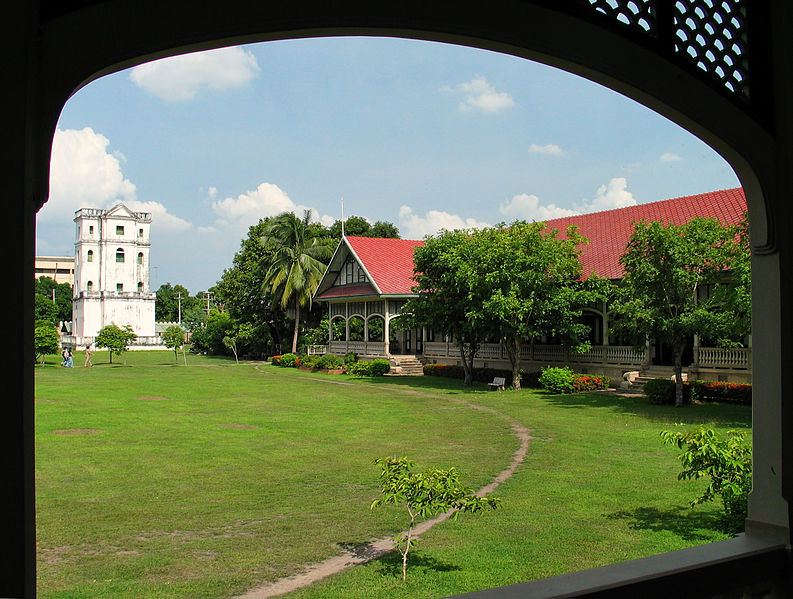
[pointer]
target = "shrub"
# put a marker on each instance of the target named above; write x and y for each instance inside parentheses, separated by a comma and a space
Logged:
(723, 392)
(557, 380)
(276, 360)
(590, 382)
(379, 367)
(661, 392)
(288, 360)
(728, 464)
(309, 361)
(329, 362)
(350, 358)
(358, 369)
(482, 375)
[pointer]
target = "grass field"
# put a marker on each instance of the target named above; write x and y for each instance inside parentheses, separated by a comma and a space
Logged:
(160, 480)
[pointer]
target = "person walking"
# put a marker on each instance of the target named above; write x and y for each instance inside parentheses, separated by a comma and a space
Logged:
(88, 354)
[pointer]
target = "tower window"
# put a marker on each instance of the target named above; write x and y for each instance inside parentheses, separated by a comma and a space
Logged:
(119, 287)
(119, 229)
(140, 258)
(90, 256)
(119, 255)
(89, 287)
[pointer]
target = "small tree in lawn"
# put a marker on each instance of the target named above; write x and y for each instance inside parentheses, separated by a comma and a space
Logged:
(115, 338)
(668, 268)
(173, 338)
(424, 494)
(46, 340)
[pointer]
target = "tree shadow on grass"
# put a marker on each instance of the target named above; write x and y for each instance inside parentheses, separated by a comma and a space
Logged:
(688, 524)
(727, 415)
(390, 564)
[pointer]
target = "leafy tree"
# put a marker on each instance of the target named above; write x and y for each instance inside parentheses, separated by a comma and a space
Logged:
(63, 294)
(727, 462)
(194, 318)
(210, 338)
(171, 302)
(384, 229)
(357, 226)
(526, 283)
(115, 338)
(677, 285)
(45, 310)
(46, 340)
(242, 291)
(445, 276)
(424, 495)
(295, 264)
(173, 338)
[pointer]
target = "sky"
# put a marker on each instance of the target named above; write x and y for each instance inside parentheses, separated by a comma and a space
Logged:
(421, 134)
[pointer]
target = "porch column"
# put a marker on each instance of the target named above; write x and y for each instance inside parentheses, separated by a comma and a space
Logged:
(386, 330)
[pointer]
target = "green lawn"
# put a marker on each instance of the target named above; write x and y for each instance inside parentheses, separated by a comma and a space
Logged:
(160, 480)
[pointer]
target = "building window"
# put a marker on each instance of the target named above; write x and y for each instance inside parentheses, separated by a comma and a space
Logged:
(119, 229)
(119, 255)
(90, 256)
(91, 230)
(140, 232)
(89, 286)
(140, 287)
(140, 257)
(119, 287)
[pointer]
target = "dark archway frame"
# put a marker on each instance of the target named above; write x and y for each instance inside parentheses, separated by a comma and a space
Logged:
(738, 98)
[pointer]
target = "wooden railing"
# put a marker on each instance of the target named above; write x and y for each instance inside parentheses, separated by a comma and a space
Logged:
(608, 354)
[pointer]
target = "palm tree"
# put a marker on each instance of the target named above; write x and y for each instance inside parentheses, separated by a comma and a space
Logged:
(295, 262)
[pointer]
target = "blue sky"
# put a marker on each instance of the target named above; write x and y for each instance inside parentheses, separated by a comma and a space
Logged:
(424, 135)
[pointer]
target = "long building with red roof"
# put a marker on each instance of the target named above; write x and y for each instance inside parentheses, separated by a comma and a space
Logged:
(369, 279)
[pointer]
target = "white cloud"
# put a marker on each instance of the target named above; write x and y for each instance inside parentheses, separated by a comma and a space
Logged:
(266, 200)
(613, 194)
(549, 149)
(83, 174)
(179, 78)
(528, 207)
(479, 95)
(670, 157)
(161, 219)
(413, 226)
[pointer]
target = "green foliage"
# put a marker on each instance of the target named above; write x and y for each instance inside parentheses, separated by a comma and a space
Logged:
(172, 302)
(722, 392)
(45, 310)
(357, 226)
(666, 268)
(46, 340)
(377, 367)
(350, 358)
(557, 380)
(294, 263)
(727, 462)
(115, 338)
(661, 392)
(209, 339)
(328, 362)
(288, 360)
(173, 338)
(481, 375)
(63, 295)
(424, 495)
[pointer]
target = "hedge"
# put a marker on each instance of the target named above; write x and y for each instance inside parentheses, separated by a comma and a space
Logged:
(662, 392)
(481, 375)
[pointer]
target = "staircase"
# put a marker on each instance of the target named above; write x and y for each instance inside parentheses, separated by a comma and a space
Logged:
(653, 372)
(406, 366)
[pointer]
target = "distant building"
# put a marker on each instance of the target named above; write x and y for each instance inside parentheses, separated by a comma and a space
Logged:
(58, 268)
(111, 277)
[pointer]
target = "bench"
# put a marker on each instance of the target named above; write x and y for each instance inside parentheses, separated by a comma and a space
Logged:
(498, 383)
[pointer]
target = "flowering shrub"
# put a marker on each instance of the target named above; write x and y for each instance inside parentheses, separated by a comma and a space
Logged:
(287, 360)
(276, 360)
(564, 380)
(723, 392)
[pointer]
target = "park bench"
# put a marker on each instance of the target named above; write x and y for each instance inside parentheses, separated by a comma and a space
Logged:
(498, 383)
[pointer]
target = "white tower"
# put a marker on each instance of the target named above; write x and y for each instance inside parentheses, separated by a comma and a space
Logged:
(111, 272)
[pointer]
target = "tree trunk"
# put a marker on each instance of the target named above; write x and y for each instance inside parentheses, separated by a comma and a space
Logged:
(513, 352)
(297, 327)
(467, 367)
(678, 370)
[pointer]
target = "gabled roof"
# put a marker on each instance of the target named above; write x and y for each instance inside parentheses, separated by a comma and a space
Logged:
(609, 231)
(388, 264)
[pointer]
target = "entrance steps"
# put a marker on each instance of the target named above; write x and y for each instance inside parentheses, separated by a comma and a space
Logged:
(648, 374)
(406, 366)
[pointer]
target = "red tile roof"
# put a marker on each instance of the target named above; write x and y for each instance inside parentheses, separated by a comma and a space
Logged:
(388, 261)
(608, 231)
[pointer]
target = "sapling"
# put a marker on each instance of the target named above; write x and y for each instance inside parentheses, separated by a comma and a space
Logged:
(424, 494)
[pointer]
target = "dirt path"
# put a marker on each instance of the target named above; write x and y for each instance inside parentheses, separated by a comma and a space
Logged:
(374, 549)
